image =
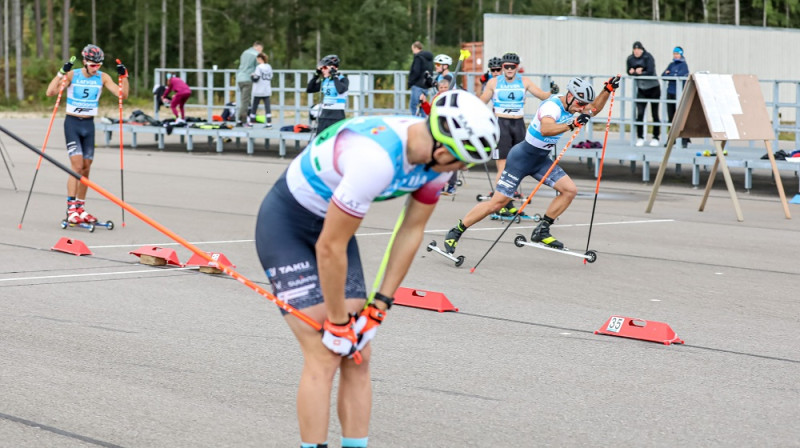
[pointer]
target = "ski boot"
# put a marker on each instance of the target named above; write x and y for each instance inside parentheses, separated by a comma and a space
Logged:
(85, 216)
(74, 214)
(452, 237)
(541, 234)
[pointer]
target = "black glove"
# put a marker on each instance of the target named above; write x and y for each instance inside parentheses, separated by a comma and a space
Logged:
(67, 66)
(579, 121)
(485, 78)
(554, 88)
(254, 77)
(333, 71)
(318, 72)
(121, 70)
(612, 84)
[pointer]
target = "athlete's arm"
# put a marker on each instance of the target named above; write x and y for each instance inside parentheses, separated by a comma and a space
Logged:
(113, 87)
(405, 246)
(550, 127)
(331, 249)
(535, 90)
(488, 91)
(55, 84)
(341, 83)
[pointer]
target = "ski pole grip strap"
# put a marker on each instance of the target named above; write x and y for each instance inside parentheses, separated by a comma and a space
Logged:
(387, 300)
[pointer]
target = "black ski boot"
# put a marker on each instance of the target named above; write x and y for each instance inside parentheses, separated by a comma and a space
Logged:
(541, 234)
(451, 240)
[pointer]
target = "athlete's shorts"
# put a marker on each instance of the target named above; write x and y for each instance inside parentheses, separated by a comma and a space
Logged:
(527, 160)
(512, 131)
(286, 233)
(79, 133)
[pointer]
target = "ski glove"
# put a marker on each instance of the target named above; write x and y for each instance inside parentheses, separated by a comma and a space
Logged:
(67, 66)
(485, 78)
(554, 88)
(121, 70)
(340, 339)
(581, 120)
(333, 70)
(612, 84)
(370, 319)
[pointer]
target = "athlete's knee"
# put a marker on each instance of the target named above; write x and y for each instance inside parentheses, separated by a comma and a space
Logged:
(569, 190)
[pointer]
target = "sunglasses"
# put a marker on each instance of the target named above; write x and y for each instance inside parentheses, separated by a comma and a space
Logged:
(93, 65)
(496, 69)
(510, 66)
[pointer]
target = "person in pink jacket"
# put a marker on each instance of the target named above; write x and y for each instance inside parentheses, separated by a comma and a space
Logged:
(182, 94)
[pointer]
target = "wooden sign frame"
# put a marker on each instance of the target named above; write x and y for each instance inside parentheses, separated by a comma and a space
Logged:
(722, 108)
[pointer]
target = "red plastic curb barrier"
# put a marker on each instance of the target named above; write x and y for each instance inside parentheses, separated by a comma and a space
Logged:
(645, 330)
(152, 252)
(208, 266)
(70, 246)
(419, 298)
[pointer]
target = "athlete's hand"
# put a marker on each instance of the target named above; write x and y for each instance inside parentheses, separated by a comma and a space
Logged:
(579, 121)
(612, 84)
(340, 339)
(554, 89)
(318, 72)
(485, 77)
(333, 70)
(121, 70)
(67, 66)
(367, 325)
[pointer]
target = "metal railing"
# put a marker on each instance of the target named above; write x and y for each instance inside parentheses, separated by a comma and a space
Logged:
(382, 92)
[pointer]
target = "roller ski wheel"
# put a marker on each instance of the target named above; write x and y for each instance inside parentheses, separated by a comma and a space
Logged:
(589, 257)
(536, 217)
(482, 197)
(109, 225)
(83, 225)
(457, 260)
(516, 218)
(459, 183)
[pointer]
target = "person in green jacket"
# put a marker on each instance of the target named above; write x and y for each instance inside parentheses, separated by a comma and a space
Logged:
(247, 65)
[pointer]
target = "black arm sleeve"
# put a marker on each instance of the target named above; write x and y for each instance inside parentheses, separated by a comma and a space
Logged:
(313, 85)
(650, 66)
(341, 83)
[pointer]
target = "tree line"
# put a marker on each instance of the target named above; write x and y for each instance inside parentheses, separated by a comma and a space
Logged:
(39, 35)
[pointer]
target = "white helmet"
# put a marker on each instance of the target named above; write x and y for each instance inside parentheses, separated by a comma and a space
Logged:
(443, 59)
(463, 123)
(581, 90)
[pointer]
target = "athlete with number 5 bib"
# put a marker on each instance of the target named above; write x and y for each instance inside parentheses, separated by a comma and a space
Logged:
(306, 244)
(507, 92)
(531, 157)
(83, 87)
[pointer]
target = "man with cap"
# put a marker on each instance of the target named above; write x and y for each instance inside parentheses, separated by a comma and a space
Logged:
(676, 68)
(641, 63)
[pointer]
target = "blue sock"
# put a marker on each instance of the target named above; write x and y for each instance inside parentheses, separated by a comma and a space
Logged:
(313, 445)
(347, 442)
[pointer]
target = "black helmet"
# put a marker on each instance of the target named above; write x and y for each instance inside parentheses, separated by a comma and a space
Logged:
(495, 62)
(330, 59)
(92, 53)
(511, 58)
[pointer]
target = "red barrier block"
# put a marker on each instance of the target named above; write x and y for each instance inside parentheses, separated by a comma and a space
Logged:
(70, 246)
(645, 330)
(209, 267)
(419, 298)
(156, 256)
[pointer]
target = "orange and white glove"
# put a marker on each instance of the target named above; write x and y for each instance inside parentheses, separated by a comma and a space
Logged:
(340, 339)
(369, 319)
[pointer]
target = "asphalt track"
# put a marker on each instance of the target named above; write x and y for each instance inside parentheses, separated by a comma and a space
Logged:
(103, 351)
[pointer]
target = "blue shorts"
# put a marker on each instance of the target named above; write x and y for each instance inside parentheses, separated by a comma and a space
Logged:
(285, 237)
(79, 134)
(527, 160)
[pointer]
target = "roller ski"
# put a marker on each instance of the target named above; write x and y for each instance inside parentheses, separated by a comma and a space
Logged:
(77, 216)
(450, 242)
(542, 239)
(508, 214)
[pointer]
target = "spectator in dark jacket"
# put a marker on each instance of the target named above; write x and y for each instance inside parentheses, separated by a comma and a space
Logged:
(641, 63)
(678, 69)
(417, 78)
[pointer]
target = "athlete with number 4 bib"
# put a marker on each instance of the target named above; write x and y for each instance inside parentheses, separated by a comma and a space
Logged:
(531, 157)
(306, 244)
(507, 92)
(83, 88)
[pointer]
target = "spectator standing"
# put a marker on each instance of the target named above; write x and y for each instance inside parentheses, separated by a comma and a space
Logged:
(333, 86)
(262, 88)
(182, 94)
(642, 63)
(247, 65)
(417, 79)
(678, 68)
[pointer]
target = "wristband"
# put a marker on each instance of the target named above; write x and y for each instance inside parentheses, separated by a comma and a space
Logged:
(387, 300)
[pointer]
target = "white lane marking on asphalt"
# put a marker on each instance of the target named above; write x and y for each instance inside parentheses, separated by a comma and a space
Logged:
(651, 221)
(43, 277)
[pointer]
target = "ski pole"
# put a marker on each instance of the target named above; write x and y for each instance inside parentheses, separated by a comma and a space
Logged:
(600, 170)
(10, 176)
(264, 293)
(44, 145)
(121, 163)
(382, 269)
(530, 196)
(464, 54)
